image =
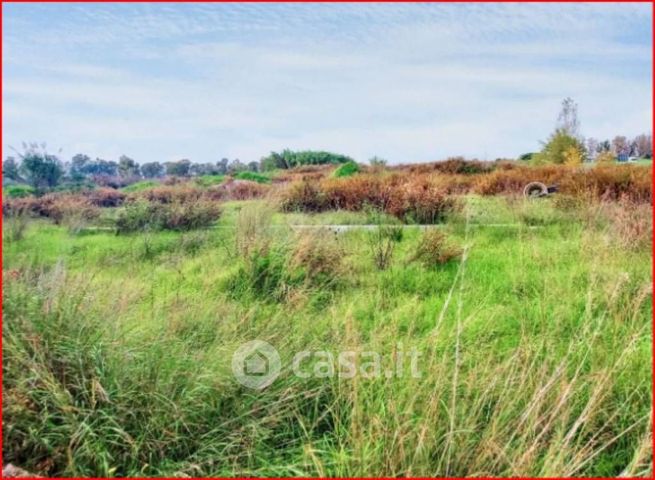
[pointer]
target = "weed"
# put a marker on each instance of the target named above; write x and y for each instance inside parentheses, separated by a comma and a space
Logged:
(434, 249)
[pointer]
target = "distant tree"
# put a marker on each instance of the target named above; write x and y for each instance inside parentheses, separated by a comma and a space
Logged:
(592, 148)
(152, 170)
(128, 168)
(180, 168)
(10, 169)
(644, 145)
(290, 159)
(567, 121)
(526, 157)
(78, 166)
(253, 166)
(236, 166)
(377, 162)
(41, 169)
(605, 157)
(221, 166)
(604, 146)
(558, 149)
(620, 146)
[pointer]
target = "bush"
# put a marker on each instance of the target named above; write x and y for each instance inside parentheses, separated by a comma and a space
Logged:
(413, 199)
(148, 216)
(348, 169)
(105, 197)
(252, 176)
(434, 249)
(209, 180)
(18, 191)
(317, 259)
(140, 186)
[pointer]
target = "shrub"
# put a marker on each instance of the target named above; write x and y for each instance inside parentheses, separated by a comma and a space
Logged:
(18, 191)
(433, 249)
(144, 216)
(140, 186)
(105, 197)
(253, 230)
(252, 177)
(170, 194)
(209, 180)
(382, 242)
(317, 259)
(347, 169)
(243, 190)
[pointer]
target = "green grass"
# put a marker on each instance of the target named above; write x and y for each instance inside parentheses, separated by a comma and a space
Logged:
(252, 176)
(536, 350)
(209, 180)
(17, 191)
(347, 169)
(141, 186)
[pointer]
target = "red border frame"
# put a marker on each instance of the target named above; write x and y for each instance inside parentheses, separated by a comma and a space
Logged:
(652, 2)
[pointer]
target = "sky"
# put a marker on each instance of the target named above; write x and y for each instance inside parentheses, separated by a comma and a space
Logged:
(405, 82)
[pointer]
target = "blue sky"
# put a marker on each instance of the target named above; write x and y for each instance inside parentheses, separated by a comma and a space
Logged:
(407, 82)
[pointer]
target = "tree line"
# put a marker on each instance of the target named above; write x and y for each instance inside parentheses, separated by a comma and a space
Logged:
(43, 170)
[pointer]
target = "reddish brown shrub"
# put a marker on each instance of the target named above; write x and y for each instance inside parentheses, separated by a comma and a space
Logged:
(105, 197)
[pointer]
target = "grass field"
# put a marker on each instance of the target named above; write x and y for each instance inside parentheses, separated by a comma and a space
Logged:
(535, 346)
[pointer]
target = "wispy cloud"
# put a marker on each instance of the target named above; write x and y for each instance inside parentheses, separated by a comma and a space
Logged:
(411, 82)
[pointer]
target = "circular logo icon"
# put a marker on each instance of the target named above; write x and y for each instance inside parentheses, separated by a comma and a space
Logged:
(256, 364)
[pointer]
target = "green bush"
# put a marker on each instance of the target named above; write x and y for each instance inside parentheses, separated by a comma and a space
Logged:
(141, 186)
(346, 170)
(252, 176)
(18, 191)
(209, 180)
(149, 216)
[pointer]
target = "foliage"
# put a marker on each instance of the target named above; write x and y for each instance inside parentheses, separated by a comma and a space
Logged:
(181, 168)
(558, 149)
(153, 170)
(18, 191)
(10, 169)
(140, 186)
(290, 159)
(434, 249)
(152, 216)
(128, 168)
(41, 169)
(252, 177)
(347, 169)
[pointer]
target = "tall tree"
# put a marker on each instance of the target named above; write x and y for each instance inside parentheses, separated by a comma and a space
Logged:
(128, 168)
(567, 121)
(152, 170)
(10, 169)
(178, 169)
(41, 169)
(644, 145)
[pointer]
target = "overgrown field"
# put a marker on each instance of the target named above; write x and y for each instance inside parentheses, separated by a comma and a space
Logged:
(532, 318)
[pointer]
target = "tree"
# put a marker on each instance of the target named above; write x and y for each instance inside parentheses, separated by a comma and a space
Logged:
(604, 146)
(573, 156)
(253, 166)
(620, 146)
(41, 169)
(78, 166)
(10, 169)
(567, 121)
(526, 157)
(377, 162)
(128, 168)
(290, 159)
(592, 147)
(221, 166)
(558, 148)
(152, 170)
(236, 166)
(178, 169)
(644, 145)
(605, 157)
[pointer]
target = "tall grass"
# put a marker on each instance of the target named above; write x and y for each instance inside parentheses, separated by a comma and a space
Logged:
(535, 353)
